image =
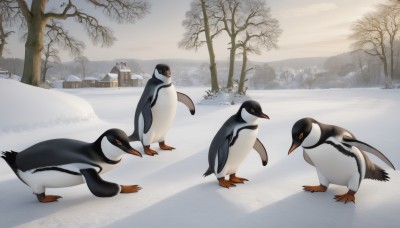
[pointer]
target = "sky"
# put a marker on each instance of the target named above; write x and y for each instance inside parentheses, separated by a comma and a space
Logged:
(311, 28)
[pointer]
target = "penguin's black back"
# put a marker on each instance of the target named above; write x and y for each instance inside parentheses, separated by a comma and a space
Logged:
(148, 92)
(226, 131)
(329, 131)
(59, 152)
(373, 171)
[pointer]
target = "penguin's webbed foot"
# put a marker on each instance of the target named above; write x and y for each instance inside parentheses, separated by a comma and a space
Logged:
(149, 151)
(163, 146)
(130, 188)
(225, 183)
(47, 199)
(349, 196)
(318, 188)
(237, 180)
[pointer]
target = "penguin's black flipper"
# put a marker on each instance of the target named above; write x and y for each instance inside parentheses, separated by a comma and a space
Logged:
(98, 186)
(223, 151)
(259, 147)
(368, 148)
(147, 116)
(307, 158)
(185, 99)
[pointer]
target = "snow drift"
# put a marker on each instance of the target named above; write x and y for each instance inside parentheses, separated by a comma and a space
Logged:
(25, 107)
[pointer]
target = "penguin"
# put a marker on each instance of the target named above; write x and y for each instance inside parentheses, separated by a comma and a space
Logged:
(64, 162)
(338, 156)
(233, 142)
(156, 110)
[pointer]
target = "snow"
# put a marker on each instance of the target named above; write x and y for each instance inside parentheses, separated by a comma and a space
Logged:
(57, 83)
(174, 192)
(28, 108)
(13, 77)
(73, 78)
(223, 98)
(137, 76)
(110, 77)
(90, 79)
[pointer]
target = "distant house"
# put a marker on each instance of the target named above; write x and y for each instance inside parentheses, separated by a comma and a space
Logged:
(72, 81)
(89, 82)
(137, 80)
(119, 76)
(110, 80)
(115, 69)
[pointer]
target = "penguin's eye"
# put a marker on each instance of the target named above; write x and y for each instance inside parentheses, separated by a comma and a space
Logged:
(118, 142)
(301, 136)
(252, 110)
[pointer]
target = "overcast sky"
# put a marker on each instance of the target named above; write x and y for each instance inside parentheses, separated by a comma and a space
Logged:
(311, 28)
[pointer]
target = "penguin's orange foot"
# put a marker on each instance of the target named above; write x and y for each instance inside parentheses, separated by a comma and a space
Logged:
(163, 146)
(47, 199)
(236, 180)
(130, 188)
(149, 151)
(319, 188)
(224, 183)
(350, 196)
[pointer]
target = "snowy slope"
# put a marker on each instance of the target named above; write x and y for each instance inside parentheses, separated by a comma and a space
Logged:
(174, 192)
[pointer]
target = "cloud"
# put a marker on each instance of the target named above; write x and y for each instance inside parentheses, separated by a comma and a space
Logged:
(308, 10)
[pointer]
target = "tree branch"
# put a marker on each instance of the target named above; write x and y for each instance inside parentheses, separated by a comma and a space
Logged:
(24, 9)
(64, 15)
(57, 35)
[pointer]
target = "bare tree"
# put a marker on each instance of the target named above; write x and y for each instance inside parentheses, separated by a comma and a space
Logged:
(370, 35)
(50, 53)
(233, 24)
(237, 17)
(36, 18)
(390, 14)
(200, 19)
(3, 37)
(262, 31)
(57, 36)
(8, 16)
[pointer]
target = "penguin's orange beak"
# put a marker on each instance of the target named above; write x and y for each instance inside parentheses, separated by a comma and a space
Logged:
(293, 147)
(134, 152)
(265, 116)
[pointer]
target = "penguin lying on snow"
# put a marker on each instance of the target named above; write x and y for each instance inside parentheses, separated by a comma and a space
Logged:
(338, 157)
(233, 142)
(66, 162)
(156, 110)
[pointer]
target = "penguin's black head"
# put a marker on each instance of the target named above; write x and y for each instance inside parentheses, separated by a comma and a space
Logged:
(164, 70)
(301, 129)
(253, 108)
(119, 139)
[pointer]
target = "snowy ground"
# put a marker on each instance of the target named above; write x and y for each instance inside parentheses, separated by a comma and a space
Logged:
(174, 192)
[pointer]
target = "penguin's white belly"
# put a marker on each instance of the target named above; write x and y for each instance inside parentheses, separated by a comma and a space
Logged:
(239, 150)
(163, 112)
(337, 167)
(41, 180)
